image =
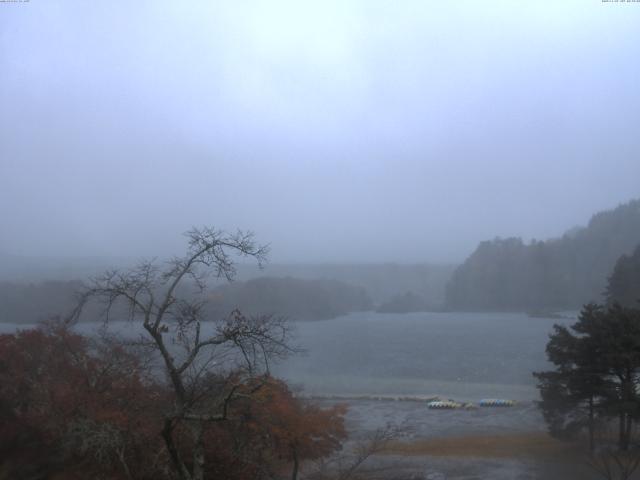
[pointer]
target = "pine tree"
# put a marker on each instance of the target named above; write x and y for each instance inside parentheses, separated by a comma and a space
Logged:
(624, 283)
(597, 371)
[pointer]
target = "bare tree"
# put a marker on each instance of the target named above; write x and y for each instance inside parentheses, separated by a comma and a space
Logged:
(207, 364)
(351, 465)
(615, 465)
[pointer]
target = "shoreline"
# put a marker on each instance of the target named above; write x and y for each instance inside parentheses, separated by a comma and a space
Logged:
(534, 444)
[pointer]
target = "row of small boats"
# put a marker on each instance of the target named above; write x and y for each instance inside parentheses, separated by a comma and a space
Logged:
(485, 402)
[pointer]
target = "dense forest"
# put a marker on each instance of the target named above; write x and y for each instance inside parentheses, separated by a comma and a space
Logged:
(624, 283)
(382, 281)
(296, 299)
(562, 273)
(309, 291)
(596, 366)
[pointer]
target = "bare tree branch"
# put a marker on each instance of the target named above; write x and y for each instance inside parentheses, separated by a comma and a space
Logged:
(175, 324)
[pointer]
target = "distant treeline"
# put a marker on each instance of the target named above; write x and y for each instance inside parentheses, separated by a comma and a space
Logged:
(624, 283)
(406, 303)
(563, 273)
(32, 303)
(382, 281)
(297, 299)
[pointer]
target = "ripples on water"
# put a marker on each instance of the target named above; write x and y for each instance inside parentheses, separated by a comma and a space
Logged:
(462, 355)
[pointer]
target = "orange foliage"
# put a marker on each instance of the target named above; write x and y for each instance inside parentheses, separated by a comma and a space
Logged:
(271, 433)
(65, 400)
(71, 407)
(295, 426)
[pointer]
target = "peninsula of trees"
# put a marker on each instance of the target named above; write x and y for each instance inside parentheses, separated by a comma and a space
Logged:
(562, 273)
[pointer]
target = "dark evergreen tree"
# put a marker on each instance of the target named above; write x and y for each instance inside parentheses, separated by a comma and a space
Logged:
(624, 282)
(597, 372)
(573, 395)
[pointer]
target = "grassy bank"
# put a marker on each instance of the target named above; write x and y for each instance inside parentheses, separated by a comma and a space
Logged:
(534, 444)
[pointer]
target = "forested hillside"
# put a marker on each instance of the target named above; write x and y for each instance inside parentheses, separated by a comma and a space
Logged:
(382, 281)
(294, 298)
(507, 274)
(624, 282)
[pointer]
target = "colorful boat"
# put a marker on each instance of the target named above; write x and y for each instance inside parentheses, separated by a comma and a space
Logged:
(444, 404)
(496, 402)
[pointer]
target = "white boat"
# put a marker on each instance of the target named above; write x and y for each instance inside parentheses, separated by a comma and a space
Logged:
(444, 404)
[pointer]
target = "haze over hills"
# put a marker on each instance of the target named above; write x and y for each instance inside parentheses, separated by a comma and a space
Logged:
(501, 274)
(29, 269)
(561, 273)
(363, 152)
(381, 280)
(32, 289)
(297, 299)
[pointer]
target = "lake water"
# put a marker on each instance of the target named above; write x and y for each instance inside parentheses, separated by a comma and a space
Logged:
(465, 356)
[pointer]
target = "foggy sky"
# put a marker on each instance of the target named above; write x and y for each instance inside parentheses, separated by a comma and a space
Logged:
(336, 130)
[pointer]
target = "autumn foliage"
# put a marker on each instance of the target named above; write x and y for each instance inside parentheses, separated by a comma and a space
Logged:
(274, 432)
(74, 407)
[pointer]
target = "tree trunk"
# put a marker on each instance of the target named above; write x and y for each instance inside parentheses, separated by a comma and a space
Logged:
(591, 426)
(621, 428)
(167, 435)
(627, 388)
(296, 464)
(625, 431)
(198, 450)
(123, 462)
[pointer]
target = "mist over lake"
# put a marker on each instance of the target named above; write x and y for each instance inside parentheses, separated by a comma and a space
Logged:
(319, 240)
(463, 355)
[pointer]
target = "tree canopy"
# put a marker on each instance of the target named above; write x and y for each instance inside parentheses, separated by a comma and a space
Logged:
(624, 282)
(562, 273)
(209, 364)
(597, 370)
(75, 407)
